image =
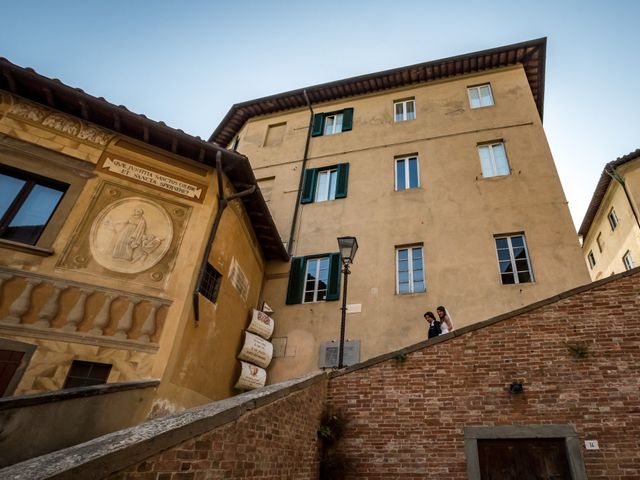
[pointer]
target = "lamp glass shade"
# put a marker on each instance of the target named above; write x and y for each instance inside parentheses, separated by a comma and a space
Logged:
(348, 247)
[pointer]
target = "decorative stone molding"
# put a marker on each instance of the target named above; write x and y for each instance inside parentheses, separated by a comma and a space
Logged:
(60, 122)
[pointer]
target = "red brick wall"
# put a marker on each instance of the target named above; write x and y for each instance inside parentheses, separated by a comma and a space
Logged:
(276, 441)
(406, 418)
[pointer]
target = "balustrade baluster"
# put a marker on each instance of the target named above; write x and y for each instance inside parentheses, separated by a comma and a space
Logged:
(126, 321)
(50, 309)
(149, 326)
(21, 305)
(76, 315)
(104, 315)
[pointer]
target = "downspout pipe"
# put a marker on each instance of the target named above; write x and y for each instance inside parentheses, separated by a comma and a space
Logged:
(223, 202)
(294, 222)
(611, 171)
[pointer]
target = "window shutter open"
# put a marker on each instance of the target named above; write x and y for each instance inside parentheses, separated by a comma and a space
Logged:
(347, 119)
(342, 181)
(296, 281)
(309, 186)
(318, 125)
(333, 289)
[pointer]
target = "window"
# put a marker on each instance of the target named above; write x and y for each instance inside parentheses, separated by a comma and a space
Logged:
(599, 242)
(627, 260)
(493, 159)
(513, 259)
(613, 219)
(592, 259)
(480, 96)
(314, 278)
(409, 270)
(327, 183)
(84, 374)
(407, 173)
(330, 351)
(275, 134)
(211, 282)
(27, 202)
(332, 122)
(404, 110)
(266, 187)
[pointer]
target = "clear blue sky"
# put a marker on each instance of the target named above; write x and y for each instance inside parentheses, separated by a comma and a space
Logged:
(187, 62)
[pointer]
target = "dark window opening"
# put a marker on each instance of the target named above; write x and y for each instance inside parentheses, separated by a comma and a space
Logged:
(211, 282)
(27, 203)
(84, 374)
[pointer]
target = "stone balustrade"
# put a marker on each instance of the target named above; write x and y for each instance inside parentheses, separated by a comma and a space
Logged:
(38, 305)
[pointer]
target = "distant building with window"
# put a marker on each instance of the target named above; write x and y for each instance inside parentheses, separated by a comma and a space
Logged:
(110, 268)
(443, 173)
(610, 229)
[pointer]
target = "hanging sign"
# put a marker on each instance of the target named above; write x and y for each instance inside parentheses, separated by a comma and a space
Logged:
(261, 324)
(251, 377)
(256, 350)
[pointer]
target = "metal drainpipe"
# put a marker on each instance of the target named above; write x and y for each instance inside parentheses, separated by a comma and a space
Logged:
(300, 184)
(222, 204)
(618, 178)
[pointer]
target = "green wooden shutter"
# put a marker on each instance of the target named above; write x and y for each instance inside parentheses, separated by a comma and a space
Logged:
(296, 281)
(318, 125)
(309, 186)
(342, 181)
(333, 289)
(347, 119)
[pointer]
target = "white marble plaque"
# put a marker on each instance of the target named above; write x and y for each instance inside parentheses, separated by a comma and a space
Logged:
(256, 350)
(261, 324)
(251, 377)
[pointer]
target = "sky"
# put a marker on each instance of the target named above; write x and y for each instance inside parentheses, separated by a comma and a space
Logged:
(186, 63)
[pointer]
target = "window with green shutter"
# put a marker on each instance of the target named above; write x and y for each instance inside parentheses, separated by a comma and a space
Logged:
(326, 183)
(331, 123)
(314, 278)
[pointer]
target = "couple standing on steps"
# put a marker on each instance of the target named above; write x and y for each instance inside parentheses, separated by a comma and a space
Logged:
(440, 325)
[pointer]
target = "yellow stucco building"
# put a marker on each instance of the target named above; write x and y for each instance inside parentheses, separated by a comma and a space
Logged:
(442, 172)
(106, 218)
(610, 229)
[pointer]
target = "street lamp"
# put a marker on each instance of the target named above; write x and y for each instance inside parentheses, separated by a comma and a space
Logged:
(348, 247)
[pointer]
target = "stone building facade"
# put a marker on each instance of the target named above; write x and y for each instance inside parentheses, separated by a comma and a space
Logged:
(106, 218)
(441, 171)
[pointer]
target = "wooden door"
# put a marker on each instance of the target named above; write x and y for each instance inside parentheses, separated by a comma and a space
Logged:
(523, 459)
(9, 363)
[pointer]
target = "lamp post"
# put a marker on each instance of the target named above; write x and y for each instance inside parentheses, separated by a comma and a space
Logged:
(348, 247)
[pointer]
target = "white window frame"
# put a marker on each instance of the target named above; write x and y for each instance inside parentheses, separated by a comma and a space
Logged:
(327, 193)
(592, 259)
(627, 260)
(407, 175)
(333, 130)
(477, 89)
(412, 289)
(613, 219)
(494, 166)
(308, 262)
(513, 259)
(405, 114)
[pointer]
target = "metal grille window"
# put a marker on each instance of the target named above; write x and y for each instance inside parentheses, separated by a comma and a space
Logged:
(613, 219)
(409, 270)
(329, 352)
(592, 259)
(513, 259)
(627, 260)
(407, 173)
(316, 280)
(493, 160)
(480, 96)
(405, 110)
(83, 374)
(27, 202)
(211, 282)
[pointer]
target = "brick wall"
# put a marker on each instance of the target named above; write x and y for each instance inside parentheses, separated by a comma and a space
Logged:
(406, 418)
